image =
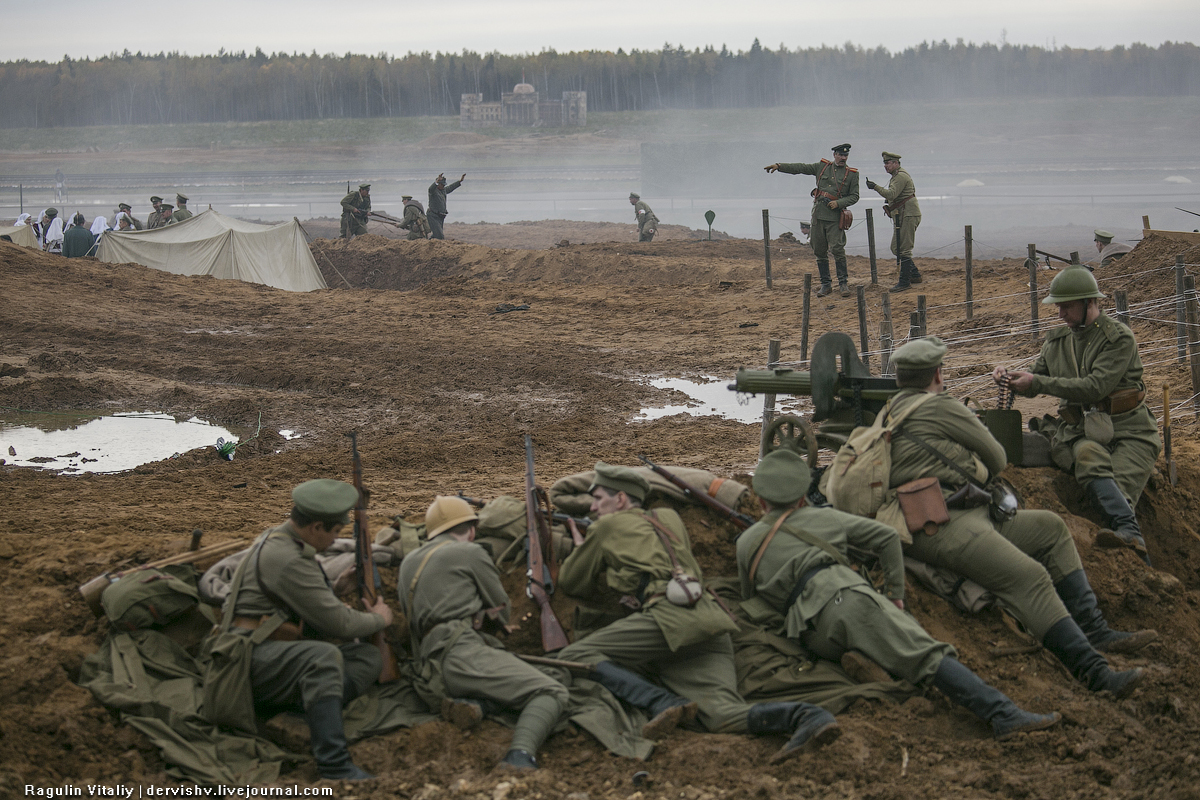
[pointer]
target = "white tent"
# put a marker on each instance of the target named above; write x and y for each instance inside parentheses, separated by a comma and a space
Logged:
(22, 235)
(212, 244)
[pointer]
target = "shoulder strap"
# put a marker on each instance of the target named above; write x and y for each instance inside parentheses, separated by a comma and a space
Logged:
(665, 536)
(412, 585)
(235, 587)
(899, 417)
(940, 456)
(766, 540)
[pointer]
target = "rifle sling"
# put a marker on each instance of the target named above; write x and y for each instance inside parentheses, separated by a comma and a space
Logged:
(412, 590)
(807, 538)
(665, 536)
(941, 457)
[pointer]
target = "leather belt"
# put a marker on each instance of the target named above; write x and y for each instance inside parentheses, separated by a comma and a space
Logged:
(1120, 402)
(798, 589)
(287, 632)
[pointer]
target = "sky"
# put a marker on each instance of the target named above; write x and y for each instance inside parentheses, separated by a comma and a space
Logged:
(202, 27)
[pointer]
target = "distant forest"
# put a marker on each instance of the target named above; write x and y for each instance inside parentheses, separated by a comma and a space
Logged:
(132, 88)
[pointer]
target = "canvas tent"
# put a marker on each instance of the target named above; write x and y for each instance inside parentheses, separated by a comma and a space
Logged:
(22, 235)
(213, 244)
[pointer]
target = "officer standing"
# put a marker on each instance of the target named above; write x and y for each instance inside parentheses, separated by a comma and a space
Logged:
(355, 206)
(437, 203)
(837, 190)
(795, 558)
(902, 208)
(181, 212)
(452, 595)
(155, 219)
(664, 623)
(1107, 436)
(1029, 560)
(280, 581)
(646, 221)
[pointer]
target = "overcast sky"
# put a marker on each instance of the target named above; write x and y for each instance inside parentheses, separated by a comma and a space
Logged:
(85, 29)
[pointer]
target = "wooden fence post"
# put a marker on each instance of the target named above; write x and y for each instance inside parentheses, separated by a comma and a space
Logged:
(1122, 300)
(970, 274)
(1193, 341)
(871, 244)
(921, 314)
(1180, 314)
(767, 243)
(886, 334)
(914, 326)
(804, 316)
(862, 327)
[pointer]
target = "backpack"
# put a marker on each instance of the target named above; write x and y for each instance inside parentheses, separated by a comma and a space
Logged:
(148, 598)
(860, 474)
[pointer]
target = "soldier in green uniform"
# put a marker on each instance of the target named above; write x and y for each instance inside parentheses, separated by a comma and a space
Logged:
(645, 611)
(126, 209)
(166, 215)
(415, 221)
(355, 206)
(451, 593)
(646, 221)
(1109, 250)
(1029, 561)
(437, 204)
(795, 558)
(1107, 435)
(902, 208)
(155, 219)
(281, 580)
(182, 212)
(837, 189)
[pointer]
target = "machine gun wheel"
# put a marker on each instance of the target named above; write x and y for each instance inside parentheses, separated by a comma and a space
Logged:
(791, 432)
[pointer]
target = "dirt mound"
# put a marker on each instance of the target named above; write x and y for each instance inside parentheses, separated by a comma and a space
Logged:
(1148, 271)
(441, 394)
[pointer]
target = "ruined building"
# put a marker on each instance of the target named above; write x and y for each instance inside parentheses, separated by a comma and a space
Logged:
(523, 106)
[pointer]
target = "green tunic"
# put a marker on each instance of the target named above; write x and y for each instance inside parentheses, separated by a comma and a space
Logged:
(833, 183)
(415, 222)
(901, 197)
(1022, 559)
(442, 586)
(354, 222)
(153, 221)
(646, 221)
(837, 610)
(1082, 368)
(688, 649)
(181, 214)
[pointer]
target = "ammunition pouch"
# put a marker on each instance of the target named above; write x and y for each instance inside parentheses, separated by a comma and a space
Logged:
(1119, 402)
(845, 219)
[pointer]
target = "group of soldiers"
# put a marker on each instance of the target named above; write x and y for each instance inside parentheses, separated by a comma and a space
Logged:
(650, 632)
(421, 223)
(163, 214)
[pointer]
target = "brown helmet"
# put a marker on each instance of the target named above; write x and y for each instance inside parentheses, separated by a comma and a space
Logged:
(445, 512)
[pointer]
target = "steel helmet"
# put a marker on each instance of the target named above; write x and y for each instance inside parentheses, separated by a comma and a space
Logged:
(1074, 283)
(445, 513)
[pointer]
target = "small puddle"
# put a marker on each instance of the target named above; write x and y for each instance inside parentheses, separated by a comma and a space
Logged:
(711, 397)
(81, 443)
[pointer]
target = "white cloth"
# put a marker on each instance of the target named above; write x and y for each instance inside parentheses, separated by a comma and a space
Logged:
(22, 220)
(54, 236)
(99, 226)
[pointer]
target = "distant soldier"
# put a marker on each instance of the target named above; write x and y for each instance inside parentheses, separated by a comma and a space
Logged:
(415, 221)
(1107, 435)
(78, 240)
(1109, 250)
(836, 190)
(182, 212)
(155, 219)
(124, 208)
(646, 221)
(165, 218)
(355, 206)
(437, 203)
(454, 600)
(902, 208)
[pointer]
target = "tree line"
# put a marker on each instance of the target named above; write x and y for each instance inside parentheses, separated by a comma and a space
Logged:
(132, 88)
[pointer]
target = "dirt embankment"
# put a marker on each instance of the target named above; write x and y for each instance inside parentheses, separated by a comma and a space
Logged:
(441, 393)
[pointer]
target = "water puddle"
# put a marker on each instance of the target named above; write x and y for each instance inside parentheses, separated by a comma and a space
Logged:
(78, 443)
(710, 396)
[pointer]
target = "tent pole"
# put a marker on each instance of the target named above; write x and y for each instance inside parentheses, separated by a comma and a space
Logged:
(322, 252)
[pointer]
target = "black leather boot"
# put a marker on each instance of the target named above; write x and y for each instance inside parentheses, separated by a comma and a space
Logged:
(826, 281)
(1077, 595)
(904, 282)
(518, 761)
(1123, 529)
(666, 709)
(991, 705)
(329, 746)
(914, 275)
(1067, 641)
(843, 275)
(810, 726)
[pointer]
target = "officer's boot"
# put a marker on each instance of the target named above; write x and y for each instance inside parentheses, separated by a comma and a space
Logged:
(537, 719)
(843, 275)
(904, 282)
(665, 708)
(826, 283)
(1122, 530)
(914, 275)
(329, 746)
(810, 726)
(1077, 595)
(991, 705)
(1067, 641)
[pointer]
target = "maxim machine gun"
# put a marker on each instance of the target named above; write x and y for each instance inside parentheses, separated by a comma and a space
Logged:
(843, 397)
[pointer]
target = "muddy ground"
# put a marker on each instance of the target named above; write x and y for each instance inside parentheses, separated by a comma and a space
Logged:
(441, 391)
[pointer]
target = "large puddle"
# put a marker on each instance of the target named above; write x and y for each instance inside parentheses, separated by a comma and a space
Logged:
(78, 443)
(710, 396)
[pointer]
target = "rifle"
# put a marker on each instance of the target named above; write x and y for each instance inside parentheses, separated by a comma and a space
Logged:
(364, 563)
(1184, 210)
(1056, 258)
(540, 583)
(386, 219)
(580, 522)
(92, 590)
(739, 519)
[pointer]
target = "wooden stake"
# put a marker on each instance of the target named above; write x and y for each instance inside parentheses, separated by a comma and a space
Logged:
(1180, 313)
(1031, 262)
(1122, 300)
(804, 316)
(921, 313)
(767, 243)
(862, 327)
(914, 326)
(886, 333)
(769, 399)
(1193, 318)
(970, 273)
(871, 244)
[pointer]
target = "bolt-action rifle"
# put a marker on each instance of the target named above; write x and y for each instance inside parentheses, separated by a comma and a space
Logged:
(386, 219)
(739, 519)
(540, 575)
(364, 564)
(92, 590)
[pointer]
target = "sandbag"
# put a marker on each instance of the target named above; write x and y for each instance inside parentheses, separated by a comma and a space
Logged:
(149, 598)
(570, 494)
